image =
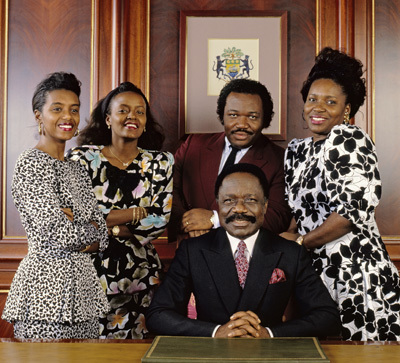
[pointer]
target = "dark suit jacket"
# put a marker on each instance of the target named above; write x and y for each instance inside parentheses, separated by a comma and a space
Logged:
(205, 266)
(196, 169)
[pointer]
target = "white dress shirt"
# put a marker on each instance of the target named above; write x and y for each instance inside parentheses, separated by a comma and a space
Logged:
(227, 151)
(250, 241)
(225, 154)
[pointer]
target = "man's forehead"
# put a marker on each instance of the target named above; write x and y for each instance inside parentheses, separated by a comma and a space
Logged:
(241, 181)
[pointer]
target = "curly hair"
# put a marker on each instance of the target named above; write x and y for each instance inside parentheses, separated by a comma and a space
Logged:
(247, 86)
(54, 81)
(97, 132)
(344, 70)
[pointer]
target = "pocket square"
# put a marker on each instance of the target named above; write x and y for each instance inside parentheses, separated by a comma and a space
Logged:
(277, 276)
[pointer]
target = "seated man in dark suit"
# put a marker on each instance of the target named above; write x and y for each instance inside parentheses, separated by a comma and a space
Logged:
(242, 275)
(245, 109)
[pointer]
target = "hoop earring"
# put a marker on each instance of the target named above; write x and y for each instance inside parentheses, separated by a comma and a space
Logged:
(40, 128)
(346, 118)
(77, 131)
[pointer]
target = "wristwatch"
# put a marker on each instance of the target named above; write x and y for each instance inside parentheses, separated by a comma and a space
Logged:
(300, 240)
(115, 231)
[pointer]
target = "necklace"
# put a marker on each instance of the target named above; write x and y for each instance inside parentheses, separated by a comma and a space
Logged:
(115, 156)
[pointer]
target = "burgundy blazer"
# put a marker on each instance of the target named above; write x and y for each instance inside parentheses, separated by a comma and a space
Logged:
(196, 169)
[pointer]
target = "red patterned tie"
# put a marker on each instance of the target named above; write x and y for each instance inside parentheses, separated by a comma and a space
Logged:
(242, 265)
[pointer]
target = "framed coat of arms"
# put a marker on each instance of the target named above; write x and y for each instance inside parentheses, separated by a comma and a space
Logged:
(219, 46)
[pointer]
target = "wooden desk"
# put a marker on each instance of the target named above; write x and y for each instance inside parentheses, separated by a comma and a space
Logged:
(98, 351)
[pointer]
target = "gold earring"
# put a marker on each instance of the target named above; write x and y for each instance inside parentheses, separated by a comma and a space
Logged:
(77, 131)
(109, 126)
(346, 118)
(144, 130)
(40, 128)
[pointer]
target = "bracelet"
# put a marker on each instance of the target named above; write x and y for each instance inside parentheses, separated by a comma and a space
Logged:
(134, 215)
(138, 213)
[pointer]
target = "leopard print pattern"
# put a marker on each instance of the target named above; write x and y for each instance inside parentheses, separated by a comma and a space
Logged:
(55, 282)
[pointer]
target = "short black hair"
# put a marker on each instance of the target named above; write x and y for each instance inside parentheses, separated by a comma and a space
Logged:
(54, 81)
(243, 168)
(251, 87)
(344, 70)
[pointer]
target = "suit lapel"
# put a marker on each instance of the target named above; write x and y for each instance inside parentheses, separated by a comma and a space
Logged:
(223, 271)
(262, 264)
(209, 168)
(257, 153)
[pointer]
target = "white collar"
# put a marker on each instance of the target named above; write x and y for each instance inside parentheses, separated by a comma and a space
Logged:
(250, 242)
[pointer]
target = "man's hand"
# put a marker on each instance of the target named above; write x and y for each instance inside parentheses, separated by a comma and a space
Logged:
(198, 233)
(243, 324)
(197, 220)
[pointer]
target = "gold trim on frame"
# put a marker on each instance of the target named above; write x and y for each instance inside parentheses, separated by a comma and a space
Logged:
(92, 40)
(373, 72)
(4, 148)
(317, 26)
(147, 68)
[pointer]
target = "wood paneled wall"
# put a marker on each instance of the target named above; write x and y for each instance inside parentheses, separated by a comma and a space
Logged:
(105, 42)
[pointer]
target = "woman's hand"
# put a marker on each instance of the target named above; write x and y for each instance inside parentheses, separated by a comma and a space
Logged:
(290, 236)
(92, 248)
(124, 232)
(95, 224)
(68, 213)
(118, 217)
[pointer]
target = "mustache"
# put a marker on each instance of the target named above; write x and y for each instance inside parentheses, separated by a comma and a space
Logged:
(242, 130)
(240, 217)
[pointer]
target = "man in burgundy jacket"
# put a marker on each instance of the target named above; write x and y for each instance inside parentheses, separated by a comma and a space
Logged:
(245, 108)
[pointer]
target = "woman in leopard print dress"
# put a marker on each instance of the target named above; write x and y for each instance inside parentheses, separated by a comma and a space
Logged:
(333, 187)
(55, 293)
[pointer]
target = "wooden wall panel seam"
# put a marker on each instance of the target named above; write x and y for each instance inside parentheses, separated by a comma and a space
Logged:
(4, 73)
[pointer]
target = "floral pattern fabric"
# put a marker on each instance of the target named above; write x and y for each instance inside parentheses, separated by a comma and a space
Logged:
(56, 284)
(340, 174)
(129, 269)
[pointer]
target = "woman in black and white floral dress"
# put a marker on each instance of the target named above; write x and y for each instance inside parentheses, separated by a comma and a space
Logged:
(133, 186)
(55, 293)
(333, 187)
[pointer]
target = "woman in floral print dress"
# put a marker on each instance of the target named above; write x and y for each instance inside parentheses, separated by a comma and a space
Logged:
(133, 186)
(333, 187)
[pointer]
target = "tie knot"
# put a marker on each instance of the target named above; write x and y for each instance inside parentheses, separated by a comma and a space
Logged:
(231, 157)
(242, 246)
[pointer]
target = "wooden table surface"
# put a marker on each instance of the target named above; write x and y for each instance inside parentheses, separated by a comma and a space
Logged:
(97, 351)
